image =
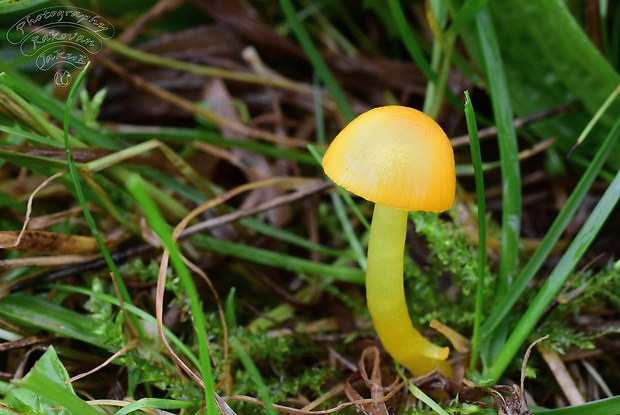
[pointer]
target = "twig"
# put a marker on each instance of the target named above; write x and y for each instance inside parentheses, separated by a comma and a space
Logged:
(462, 140)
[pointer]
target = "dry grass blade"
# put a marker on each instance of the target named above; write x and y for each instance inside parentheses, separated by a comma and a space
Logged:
(16, 241)
(562, 375)
(24, 342)
(379, 394)
(295, 411)
(46, 261)
(50, 243)
(194, 109)
(515, 403)
(122, 351)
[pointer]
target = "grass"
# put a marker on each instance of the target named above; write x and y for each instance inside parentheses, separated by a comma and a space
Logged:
(221, 176)
(476, 157)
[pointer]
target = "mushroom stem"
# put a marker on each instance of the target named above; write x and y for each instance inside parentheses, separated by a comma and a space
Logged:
(385, 294)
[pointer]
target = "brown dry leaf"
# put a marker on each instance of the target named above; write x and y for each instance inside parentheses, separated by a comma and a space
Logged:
(220, 45)
(48, 243)
(254, 166)
(245, 22)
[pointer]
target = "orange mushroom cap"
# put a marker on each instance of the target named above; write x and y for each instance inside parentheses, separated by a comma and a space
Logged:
(394, 156)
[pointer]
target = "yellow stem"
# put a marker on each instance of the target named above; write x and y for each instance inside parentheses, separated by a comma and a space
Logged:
(385, 294)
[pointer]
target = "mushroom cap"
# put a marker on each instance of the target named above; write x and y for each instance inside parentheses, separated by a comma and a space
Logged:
(394, 156)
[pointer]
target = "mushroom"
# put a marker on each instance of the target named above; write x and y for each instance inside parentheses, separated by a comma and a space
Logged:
(400, 159)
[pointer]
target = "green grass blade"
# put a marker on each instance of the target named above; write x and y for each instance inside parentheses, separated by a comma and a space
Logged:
(185, 135)
(43, 165)
(132, 309)
(46, 380)
(466, 14)
(21, 110)
(318, 156)
(290, 237)
(558, 277)
(44, 387)
(35, 95)
(610, 99)
(280, 260)
(156, 221)
(156, 403)
(250, 367)
(409, 40)
(30, 136)
(506, 302)
(229, 310)
(609, 406)
(120, 283)
(12, 6)
(37, 312)
(354, 242)
(476, 158)
(550, 62)
(421, 396)
(317, 61)
(507, 139)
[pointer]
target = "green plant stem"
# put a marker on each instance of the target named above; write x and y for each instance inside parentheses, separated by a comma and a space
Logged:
(385, 294)
(431, 87)
(440, 89)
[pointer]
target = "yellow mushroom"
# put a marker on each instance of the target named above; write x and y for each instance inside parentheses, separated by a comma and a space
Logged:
(400, 159)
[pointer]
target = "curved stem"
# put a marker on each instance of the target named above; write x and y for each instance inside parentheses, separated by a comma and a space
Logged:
(385, 294)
